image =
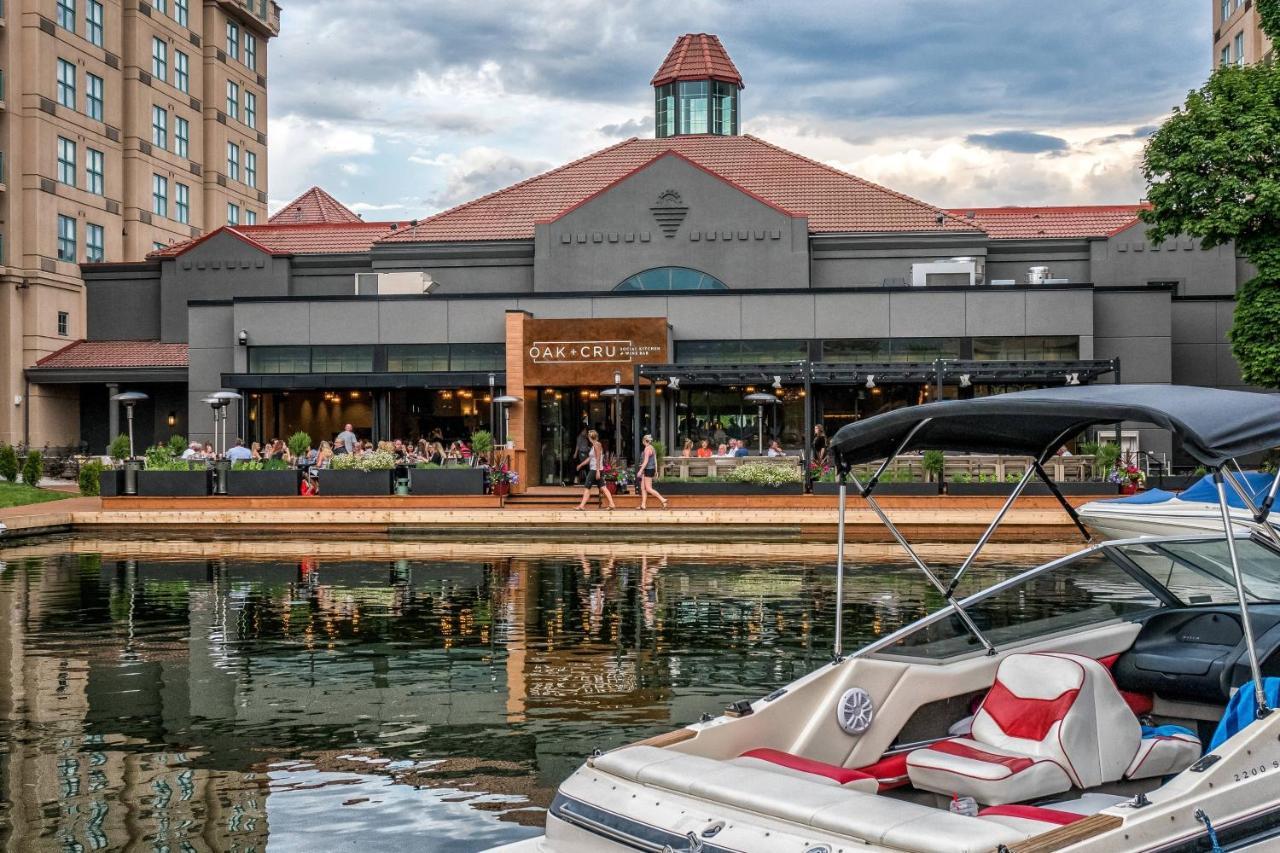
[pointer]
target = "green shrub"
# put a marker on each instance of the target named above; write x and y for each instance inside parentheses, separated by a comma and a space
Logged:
(8, 463)
(260, 465)
(765, 474)
(33, 468)
(378, 460)
(119, 448)
(90, 478)
(1012, 477)
(934, 463)
(299, 443)
(964, 478)
(482, 442)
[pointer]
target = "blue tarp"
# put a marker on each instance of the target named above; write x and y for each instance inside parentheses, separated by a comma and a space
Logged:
(1256, 484)
(1150, 496)
(1243, 710)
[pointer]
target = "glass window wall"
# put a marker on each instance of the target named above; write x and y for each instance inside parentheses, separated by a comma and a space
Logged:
(671, 278)
(342, 359)
(665, 110)
(740, 352)
(693, 106)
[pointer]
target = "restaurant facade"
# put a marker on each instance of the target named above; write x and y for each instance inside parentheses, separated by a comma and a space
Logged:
(659, 285)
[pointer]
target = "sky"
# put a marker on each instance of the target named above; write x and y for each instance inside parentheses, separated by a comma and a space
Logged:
(401, 109)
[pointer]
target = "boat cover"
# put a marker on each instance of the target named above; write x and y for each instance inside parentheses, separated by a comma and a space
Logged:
(1214, 425)
(1257, 483)
(1243, 710)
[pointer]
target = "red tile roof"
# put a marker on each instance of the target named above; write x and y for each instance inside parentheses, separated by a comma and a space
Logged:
(1021, 223)
(697, 56)
(314, 205)
(316, 238)
(123, 354)
(834, 201)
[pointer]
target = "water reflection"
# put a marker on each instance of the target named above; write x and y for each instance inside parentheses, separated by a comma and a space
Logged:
(241, 705)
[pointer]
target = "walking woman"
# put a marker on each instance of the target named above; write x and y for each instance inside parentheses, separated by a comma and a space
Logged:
(592, 463)
(648, 471)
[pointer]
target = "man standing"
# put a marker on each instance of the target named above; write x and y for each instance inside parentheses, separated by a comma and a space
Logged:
(346, 440)
(239, 453)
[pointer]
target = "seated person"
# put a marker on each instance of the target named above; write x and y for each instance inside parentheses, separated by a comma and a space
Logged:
(742, 449)
(687, 452)
(239, 453)
(723, 450)
(704, 449)
(775, 449)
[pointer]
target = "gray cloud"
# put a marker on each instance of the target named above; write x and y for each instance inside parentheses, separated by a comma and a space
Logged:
(481, 174)
(1137, 133)
(629, 128)
(1017, 141)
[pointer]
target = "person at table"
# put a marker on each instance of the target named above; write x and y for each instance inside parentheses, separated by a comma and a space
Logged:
(687, 452)
(239, 453)
(346, 440)
(775, 449)
(325, 455)
(742, 449)
(648, 472)
(593, 465)
(704, 449)
(192, 451)
(723, 451)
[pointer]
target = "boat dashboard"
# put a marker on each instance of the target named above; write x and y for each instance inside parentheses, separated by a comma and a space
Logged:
(1198, 653)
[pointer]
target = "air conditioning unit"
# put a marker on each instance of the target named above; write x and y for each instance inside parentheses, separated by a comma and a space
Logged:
(387, 283)
(953, 271)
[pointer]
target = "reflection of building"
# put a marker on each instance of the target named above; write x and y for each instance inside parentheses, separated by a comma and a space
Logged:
(124, 127)
(712, 257)
(1237, 34)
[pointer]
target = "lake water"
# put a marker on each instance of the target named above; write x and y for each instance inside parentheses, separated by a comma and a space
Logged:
(330, 703)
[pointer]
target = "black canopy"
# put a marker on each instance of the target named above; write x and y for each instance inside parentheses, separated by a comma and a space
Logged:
(1214, 425)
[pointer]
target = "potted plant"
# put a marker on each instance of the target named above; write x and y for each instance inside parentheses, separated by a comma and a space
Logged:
(111, 479)
(749, 478)
(166, 475)
(428, 479)
(1128, 477)
(934, 463)
(263, 478)
(481, 444)
(365, 474)
(502, 478)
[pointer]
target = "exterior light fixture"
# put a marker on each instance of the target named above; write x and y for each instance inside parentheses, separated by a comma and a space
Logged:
(777, 383)
(172, 420)
(243, 338)
(1073, 378)
(674, 383)
(871, 380)
(965, 380)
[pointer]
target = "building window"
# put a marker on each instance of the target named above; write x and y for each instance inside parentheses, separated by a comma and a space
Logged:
(233, 99)
(251, 109)
(1225, 58)
(95, 247)
(417, 358)
(157, 246)
(251, 51)
(740, 352)
(93, 96)
(182, 203)
(181, 71)
(159, 59)
(278, 360)
(924, 349)
(856, 350)
(95, 177)
(67, 14)
(64, 322)
(180, 12)
(1225, 11)
(93, 22)
(693, 106)
(342, 359)
(665, 110)
(233, 214)
(181, 136)
(251, 169)
(233, 161)
(66, 84)
(66, 161)
(66, 238)
(161, 6)
(671, 278)
(724, 114)
(160, 127)
(160, 195)
(477, 357)
(251, 217)
(1240, 48)
(233, 40)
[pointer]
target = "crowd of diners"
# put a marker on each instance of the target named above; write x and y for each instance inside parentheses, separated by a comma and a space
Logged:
(429, 449)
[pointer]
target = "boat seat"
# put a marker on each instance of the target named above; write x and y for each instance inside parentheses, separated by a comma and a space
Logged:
(1163, 751)
(1037, 819)
(777, 761)
(1050, 722)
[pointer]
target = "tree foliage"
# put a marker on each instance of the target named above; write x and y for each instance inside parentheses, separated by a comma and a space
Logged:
(8, 463)
(1213, 172)
(33, 468)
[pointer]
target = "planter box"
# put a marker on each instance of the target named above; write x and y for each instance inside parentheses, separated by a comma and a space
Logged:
(1093, 487)
(176, 484)
(685, 487)
(881, 489)
(349, 482)
(264, 483)
(111, 483)
(446, 481)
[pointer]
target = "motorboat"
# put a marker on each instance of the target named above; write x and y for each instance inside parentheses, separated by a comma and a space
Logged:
(1132, 714)
(1157, 512)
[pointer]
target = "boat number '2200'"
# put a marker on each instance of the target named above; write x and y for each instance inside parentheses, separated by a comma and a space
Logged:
(1250, 772)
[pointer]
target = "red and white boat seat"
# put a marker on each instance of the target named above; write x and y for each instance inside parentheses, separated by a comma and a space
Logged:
(1164, 751)
(777, 761)
(1049, 723)
(1033, 820)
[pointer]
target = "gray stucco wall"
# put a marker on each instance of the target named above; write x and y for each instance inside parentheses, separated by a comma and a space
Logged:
(1201, 351)
(482, 267)
(124, 309)
(219, 268)
(1137, 328)
(1011, 259)
(725, 232)
(1129, 259)
(212, 351)
(850, 260)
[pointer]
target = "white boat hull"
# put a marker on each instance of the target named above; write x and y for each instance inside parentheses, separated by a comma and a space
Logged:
(1119, 520)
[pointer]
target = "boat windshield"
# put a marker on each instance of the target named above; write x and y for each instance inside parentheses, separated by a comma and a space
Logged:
(1199, 571)
(1089, 590)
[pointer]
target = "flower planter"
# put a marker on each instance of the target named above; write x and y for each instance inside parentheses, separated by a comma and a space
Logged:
(881, 489)
(111, 483)
(502, 489)
(174, 484)
(612, 488)
(685, 487)
(446, 481)
(348, 481)
(264, 483)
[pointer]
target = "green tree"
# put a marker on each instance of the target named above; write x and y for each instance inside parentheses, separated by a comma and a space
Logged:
(91, 478)
(1213, 172)
(8, 463)
(33, 468)
(119, 448)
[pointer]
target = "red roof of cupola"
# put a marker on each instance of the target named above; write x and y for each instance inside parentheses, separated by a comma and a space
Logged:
(697, 56)
(314, 205)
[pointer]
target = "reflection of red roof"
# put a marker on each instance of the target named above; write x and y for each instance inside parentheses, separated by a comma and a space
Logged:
(314, 205)
(834, 201)
(1022, 223)
(697, 56)
(316, 238)
(83, 354)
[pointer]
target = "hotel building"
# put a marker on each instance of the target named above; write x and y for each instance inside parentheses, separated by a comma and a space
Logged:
(1237, 34)
(690, 269)
(124, 128)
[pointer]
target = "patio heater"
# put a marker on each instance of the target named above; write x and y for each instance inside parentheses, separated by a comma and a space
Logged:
(761, 400)
(617, 392)
(129, 399)
(226, 398)
(215, 404)
(503, 402)
(493, 423)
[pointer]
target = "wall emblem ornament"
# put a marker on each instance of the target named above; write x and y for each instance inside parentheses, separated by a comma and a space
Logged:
(669, 211)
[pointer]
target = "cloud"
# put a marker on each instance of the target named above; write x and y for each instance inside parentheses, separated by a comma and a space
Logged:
(1017, 141)
(479, 171)
(626, 129)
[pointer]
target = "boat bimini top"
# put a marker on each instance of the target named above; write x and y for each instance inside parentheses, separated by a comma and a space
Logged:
(1215, 427)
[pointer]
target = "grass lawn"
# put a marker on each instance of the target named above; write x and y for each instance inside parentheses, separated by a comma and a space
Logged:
(20, 494)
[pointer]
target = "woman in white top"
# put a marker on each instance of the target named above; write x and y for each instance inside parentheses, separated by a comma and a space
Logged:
(775, 449)
(648, 471)
(593, 463)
